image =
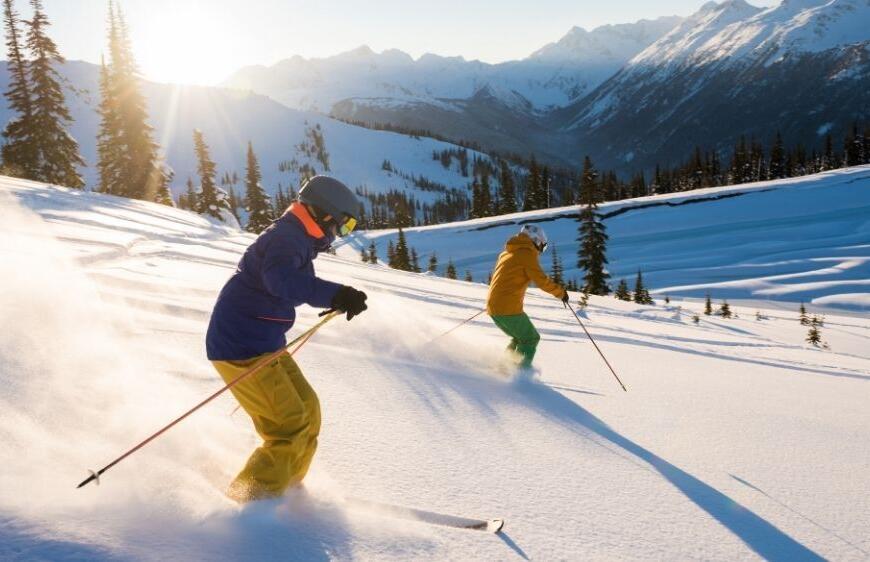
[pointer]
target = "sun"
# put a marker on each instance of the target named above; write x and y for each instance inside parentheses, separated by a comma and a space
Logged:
(194, 46)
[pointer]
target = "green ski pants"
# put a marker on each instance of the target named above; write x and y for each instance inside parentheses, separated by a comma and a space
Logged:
(524, 336)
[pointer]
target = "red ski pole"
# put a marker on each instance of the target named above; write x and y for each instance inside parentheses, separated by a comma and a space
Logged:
(304, 337)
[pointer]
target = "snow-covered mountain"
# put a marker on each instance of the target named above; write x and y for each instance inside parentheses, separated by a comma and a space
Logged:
(731, 69)
(797, 240)
(735, 440)
(229, 119)
(551, 76)
(497, 105)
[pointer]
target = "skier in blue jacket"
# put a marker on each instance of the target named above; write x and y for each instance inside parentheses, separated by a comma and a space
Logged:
(255, 309)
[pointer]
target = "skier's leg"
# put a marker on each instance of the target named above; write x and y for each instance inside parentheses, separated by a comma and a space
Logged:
(281, 419)
(521, 330)
(312, 409)
(509, 325)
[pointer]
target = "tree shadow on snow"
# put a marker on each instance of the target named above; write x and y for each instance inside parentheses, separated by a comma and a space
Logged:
(762, 537)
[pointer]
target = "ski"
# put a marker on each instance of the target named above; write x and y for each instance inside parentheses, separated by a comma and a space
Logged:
(423, 516)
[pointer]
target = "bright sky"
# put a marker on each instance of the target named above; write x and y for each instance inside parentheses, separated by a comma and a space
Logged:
(204, 41)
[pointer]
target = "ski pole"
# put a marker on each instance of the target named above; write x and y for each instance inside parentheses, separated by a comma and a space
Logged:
(461, 324)
(596, 346)
(304, 337)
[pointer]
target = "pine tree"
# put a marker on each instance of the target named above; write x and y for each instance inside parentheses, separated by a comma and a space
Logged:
(814, 335)
(415, 261)
(777, 159)
(485, 194)
(210, 201)
(708, 305)
(164, 195)
(129, 163)
(507, 198)
(402, 258)
(805, 320)
(476, 203)
(641, 294)
(533, 187)
(725, 310)
(109, 145)
(557, 271)
(696, 319)
(364, 257)
(622, 292)
(391, 254)
(57, 153)
(592, 236)
(468, 276)
(451, 270)
(373, 253)
(544, 189)
(19, 150)
(191, 197)
(433, 263)
(260, 213)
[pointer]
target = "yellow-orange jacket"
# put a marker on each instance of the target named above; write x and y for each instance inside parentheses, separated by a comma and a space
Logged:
(517, 266)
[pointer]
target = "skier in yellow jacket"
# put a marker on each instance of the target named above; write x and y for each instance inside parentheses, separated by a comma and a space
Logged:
(517, 266)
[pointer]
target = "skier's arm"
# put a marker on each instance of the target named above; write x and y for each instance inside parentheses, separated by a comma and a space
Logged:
(540, 279)
(283, 277)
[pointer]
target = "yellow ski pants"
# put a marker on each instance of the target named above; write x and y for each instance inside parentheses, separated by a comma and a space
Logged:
(286, 413)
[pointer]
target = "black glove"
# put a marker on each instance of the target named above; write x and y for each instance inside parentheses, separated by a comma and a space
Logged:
(349, 300)
(565, 297)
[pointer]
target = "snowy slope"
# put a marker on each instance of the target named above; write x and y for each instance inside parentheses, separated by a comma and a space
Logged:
(735, 441)
(803, 239)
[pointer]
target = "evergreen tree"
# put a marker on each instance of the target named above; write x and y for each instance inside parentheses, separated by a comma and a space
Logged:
(476, 200)
(391, 254)
(507, 194)
(592, 236)
(814, 335)
(622, 292)
(485, 194)
(210, 201)
(373, 253)
(557, 271)
(696, 319)
(191, 197)
(129, 163)
(533, 187)
(109, 146)
(708, 305)
(402, 258)
(805, 320)
(364, 257)
(415, 261)
(164, 195)
(19, 150)
(641, 294)
(544, 189)
(725, 310)
(777, 169)
(468, 276)
(260, 213)
(57, 153)
(433, 263)
(451, 269)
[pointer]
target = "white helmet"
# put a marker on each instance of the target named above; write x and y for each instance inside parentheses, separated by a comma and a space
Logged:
(537, 234)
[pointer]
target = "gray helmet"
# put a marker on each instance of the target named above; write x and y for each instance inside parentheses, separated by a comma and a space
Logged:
(330, 196)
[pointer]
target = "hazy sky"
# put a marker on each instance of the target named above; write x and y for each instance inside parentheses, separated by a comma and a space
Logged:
(203, 41)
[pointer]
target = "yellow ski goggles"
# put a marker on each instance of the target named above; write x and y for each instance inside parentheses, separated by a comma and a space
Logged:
(347, 226)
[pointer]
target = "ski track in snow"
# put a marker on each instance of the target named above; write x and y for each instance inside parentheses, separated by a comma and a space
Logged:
(735, 441)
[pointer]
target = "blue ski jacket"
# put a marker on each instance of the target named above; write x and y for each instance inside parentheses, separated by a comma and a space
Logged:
(257, 305)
